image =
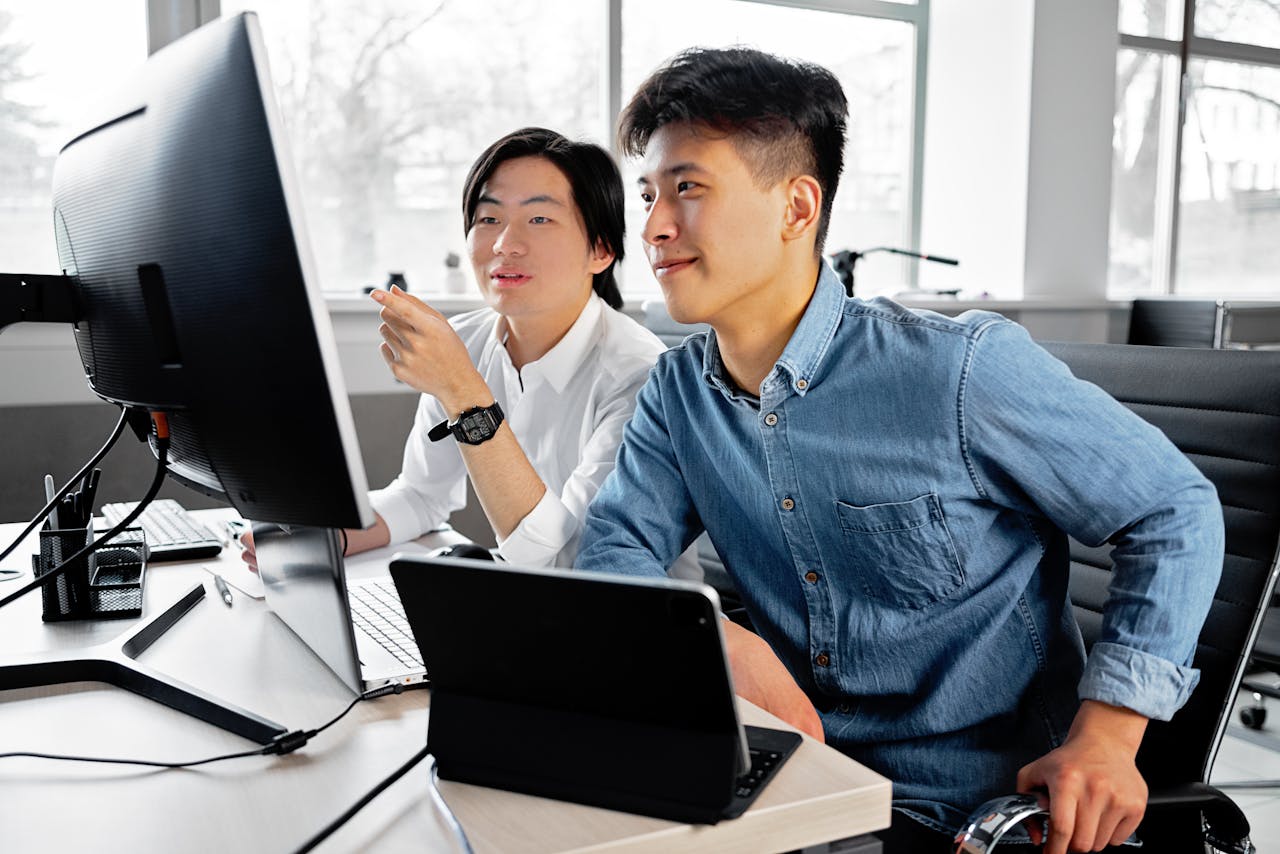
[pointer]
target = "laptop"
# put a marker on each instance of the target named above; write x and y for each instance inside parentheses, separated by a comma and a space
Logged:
(357, 628)
(586, 687)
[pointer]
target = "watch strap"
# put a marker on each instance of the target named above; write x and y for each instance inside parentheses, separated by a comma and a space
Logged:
(444, 429)
(440, 431)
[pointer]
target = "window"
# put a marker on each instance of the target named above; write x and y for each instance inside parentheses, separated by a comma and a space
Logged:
(44, 101)
(1196, 188)
(386, 103)
(874, 59)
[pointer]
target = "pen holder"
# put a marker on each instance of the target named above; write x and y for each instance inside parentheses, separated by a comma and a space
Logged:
(106, 583)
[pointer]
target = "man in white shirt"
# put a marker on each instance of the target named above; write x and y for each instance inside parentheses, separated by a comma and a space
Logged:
(527, 397)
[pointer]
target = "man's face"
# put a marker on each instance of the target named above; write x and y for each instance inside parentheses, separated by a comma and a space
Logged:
(712, 235)
(528, 244)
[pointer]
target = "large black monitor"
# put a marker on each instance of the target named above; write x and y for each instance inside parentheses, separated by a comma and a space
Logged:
(193, 290)
(178, 217)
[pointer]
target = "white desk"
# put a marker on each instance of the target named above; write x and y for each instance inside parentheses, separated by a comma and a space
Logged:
(245, 656)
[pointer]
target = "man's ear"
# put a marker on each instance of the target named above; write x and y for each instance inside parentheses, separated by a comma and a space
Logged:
(804, 207)
(600, 258)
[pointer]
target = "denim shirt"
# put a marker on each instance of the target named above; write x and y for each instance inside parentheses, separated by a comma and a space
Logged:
(892, 508)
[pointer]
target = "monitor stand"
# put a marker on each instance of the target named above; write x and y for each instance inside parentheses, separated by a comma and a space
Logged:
(115, 663)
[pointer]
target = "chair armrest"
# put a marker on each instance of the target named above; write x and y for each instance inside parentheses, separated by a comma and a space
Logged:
(990, 822)
(1227, 829)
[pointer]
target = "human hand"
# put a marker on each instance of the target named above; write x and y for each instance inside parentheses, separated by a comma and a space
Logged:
(760, 677)
(423, 351)
(248, 554)
(1096, 795)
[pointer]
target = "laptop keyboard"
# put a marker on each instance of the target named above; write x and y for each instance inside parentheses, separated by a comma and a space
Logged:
(172, 533)
(376, 610)
(763, 764)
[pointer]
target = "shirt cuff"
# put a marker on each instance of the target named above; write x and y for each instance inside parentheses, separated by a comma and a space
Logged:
(396, 507)
(1153, 687)
(541, 535)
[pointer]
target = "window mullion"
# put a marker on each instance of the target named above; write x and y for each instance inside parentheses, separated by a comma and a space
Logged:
(1172, 171)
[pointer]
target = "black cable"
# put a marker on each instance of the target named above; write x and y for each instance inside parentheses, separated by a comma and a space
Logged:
(75, 478)
(112, 761)
(162, 456)
(332, 826)
(281, 744)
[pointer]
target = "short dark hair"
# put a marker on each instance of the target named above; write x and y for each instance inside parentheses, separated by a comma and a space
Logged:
(784, 116)
(593, 178)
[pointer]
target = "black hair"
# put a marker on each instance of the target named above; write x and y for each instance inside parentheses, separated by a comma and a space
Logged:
(593, 178)
(784, 116)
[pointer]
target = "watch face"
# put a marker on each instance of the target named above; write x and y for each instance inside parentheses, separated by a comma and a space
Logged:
(477, 427)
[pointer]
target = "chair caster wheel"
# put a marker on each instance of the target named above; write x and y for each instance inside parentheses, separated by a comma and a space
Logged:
(1253, 716)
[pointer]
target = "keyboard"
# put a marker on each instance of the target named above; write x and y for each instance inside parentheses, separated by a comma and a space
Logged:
(769, 749)
(172, 533)
(376, 610)
(763, 764)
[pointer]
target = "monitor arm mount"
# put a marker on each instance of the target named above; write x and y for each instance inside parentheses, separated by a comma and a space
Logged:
(38, 298)
(844, 261)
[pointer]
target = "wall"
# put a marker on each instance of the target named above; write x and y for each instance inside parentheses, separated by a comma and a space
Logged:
(1018, 127)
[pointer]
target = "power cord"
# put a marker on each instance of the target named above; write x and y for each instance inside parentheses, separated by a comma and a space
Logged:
(280, 745)
(75, 478)
(437, 801)
(161, 423)
(332, 826)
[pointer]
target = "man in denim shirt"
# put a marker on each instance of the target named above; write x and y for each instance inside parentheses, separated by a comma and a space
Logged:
(888, 488)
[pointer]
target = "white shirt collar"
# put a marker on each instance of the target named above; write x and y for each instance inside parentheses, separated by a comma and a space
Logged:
(558, 365)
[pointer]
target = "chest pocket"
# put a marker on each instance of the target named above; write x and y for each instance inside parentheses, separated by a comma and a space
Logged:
(901, 553)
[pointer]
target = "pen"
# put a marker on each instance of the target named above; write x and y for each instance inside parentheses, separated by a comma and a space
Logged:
(235, 528)
(49, 491)
(91, 492)
(223, 589)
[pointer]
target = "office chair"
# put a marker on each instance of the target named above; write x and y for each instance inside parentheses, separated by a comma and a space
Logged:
(1266, 658)
(1179, 323)
(671, 332)
(1222, 409)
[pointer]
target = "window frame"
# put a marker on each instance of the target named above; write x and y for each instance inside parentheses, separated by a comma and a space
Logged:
(1188, 47)
(170, 19)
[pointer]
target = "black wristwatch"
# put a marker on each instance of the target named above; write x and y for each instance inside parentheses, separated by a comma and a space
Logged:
(473, 427)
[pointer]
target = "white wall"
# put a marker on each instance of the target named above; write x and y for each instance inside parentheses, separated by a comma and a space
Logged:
(1018, 124)
(1073, 86)
(977, 115)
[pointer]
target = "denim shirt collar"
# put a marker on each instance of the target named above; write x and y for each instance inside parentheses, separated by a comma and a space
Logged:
(802, 358)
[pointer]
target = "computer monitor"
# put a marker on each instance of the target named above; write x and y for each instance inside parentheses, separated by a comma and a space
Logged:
(178, 216)
(193, 290)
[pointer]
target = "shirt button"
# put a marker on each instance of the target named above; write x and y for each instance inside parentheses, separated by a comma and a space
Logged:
(788, 504)
(822, 659)
(811, 576)
(802, 384)
(771, 419)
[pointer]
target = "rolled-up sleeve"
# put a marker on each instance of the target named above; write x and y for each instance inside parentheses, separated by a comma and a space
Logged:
(1039, 440)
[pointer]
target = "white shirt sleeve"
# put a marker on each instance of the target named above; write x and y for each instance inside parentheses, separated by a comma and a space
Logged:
(548, 534)
(431, 484)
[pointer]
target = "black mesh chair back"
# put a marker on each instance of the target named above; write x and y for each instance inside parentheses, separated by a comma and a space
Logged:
(1222, 409)
(1179, 323)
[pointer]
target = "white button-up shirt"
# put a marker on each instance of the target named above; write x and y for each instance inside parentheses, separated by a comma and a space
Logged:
(567, 410)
